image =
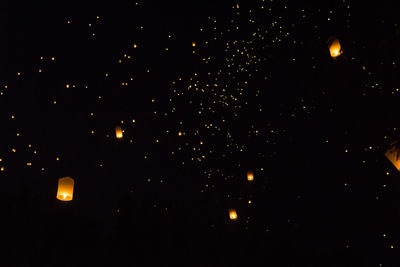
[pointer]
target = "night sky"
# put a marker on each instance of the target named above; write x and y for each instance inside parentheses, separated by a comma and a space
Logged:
(204, 91)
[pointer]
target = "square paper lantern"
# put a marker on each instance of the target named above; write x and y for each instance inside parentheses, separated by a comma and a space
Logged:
(118, 132)
(334, 47)
(232, 214)
(65, 189)
(393, 154)
(250, 176)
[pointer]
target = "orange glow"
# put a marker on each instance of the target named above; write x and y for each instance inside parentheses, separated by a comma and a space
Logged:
(118, 132)
(250, 176)
(179, 133)
(335, 48)
(393, 154)
(65, 189)
(232, 214)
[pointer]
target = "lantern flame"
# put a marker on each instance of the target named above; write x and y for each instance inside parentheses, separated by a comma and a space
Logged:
(335, 48)
(118, 132)
(65, 189)
(232, 214)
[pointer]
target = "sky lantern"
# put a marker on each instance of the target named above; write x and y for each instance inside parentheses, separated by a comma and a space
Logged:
(118, 132)
(250, 176)
(232, 214)
(65, 189)
(334, 47)
(393, 154)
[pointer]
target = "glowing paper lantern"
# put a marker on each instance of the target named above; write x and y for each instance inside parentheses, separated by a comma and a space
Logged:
(232, 214)
(65, 189)
(250, 176)
(118, 132)
(334, 48)
(393, 154)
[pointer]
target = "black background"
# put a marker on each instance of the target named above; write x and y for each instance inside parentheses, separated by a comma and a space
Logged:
(302, 213)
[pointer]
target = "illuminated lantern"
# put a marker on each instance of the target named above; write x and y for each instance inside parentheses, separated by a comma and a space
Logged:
(393, 154)
(65, 189)
(334, 48)
(232, 214)
(250, 176)
(118, 132)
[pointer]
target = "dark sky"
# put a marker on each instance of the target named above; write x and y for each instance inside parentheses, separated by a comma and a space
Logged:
(250, 85)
